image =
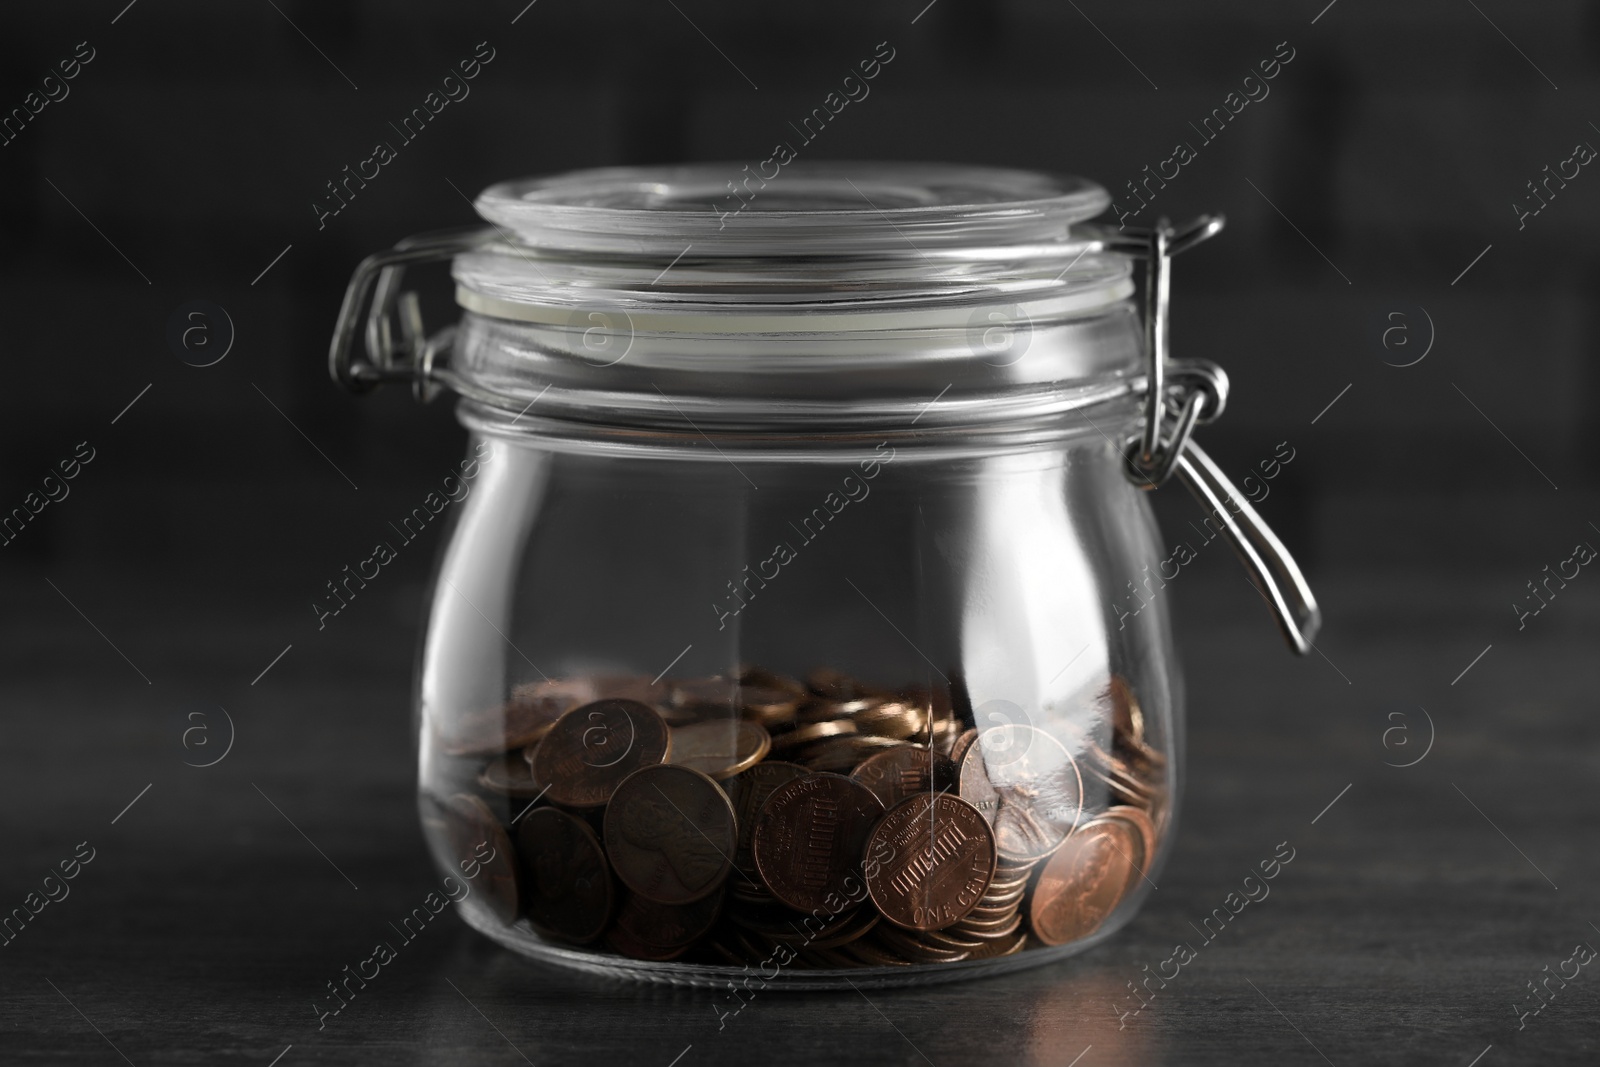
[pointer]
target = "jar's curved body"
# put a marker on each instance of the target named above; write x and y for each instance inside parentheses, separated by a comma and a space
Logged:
(1012, 584)
(802, 615)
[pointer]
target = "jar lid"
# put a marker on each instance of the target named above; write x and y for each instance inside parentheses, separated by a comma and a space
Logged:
(825, 297)
(804, 208)
(820, 247)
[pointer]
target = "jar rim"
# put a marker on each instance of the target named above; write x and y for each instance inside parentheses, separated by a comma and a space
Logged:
(876, 210)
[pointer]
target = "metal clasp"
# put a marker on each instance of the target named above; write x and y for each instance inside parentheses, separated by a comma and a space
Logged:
(1196, 390)
(1179, 395)
(398, 347)
(1275, 574)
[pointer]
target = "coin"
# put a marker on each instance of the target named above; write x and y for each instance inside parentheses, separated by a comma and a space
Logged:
(483, 854)
(950, 938)
(720, 748)
(708, 693)
(649, 930)
(958, 747)
(819, 709)
(912, 947)
(1086, 879)
(780, 924)
(751, 675)
(841, 755)
(1028, 787)
(769, 705)
(989, 929)
(670, 834)
(1123, 784)
(1005, 947)
(1127, 718)
(937, 712)
(941, 859)
(749, 792)
(522, 720)
(893, 718)
(509, 775)
(817, 731)
(566, 885)
(897, 773)
(1143, 824)
(810, 840)
(592, 748)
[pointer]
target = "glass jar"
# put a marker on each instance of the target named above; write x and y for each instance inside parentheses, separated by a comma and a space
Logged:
(801, 614)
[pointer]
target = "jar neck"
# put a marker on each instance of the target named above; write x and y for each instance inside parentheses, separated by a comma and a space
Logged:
(986, 370)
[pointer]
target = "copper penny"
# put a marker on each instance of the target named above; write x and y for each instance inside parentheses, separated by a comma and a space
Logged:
(1027, 785)
(841, 755)
(670, 834)
(522, 720)
(566, 885)
(821, 710)
(719, 747)
(952, 939)
(509, 775)
(751, 675)
(817, 731)
(1141, 822)
(749, 792)
(897, 773)
(1084, 881)
(1003, 947)
(990, 929)
(914, 948)
(1127, 718)
(592, 748)
(810, 841)
(769, 705)
(648, 930)
(899, 719)
(958, 747)
(483, 855)
(942, 857)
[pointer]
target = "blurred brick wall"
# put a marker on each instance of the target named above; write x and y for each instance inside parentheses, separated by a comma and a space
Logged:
(1395, 142)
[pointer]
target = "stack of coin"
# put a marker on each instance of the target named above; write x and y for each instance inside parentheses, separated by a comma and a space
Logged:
(759, 820)
(1133, 771)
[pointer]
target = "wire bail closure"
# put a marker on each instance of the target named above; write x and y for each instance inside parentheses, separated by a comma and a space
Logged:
(1183, 394)
(398, 347)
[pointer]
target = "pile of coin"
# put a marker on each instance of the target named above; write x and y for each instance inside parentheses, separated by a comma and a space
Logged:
(759, 820)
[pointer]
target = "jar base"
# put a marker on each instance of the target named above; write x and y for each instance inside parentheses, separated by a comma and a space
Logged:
(520, 939)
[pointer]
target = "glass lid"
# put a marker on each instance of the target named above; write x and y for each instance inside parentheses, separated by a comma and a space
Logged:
(888, 210)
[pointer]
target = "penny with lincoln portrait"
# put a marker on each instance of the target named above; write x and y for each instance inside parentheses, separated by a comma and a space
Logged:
(592, 748)
(671, 834)
(1027, 785)
(1087, 878)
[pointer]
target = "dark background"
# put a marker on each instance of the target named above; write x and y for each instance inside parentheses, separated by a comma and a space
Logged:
(1392, 148)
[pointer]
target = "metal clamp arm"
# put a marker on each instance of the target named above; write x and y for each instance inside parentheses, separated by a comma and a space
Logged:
(1274, 572)
(408, 357)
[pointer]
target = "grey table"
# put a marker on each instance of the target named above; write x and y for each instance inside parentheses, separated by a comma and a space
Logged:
(1420, 903)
